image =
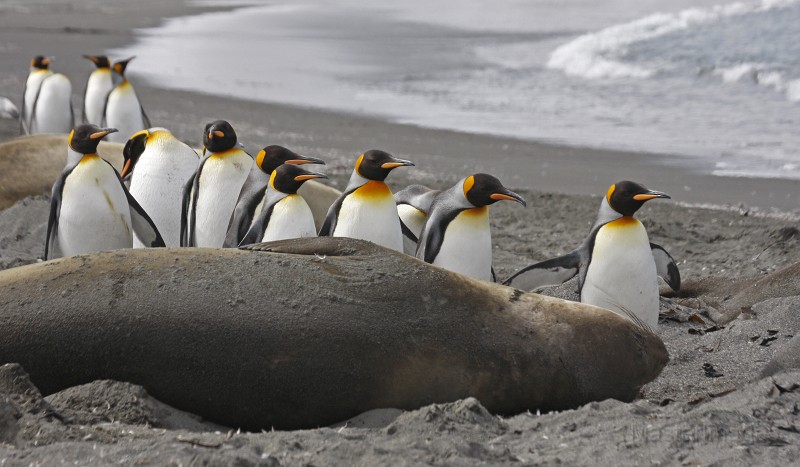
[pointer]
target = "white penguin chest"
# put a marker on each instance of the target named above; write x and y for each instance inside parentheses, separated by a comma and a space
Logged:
(97, 89)
(53, 110)
(467, 245)
(124, 113)
(221, 180)
(95, 214)
(414, 219)
(291, 218)
(622, 273)
(32, 86)
(157, 184)
(370, 213)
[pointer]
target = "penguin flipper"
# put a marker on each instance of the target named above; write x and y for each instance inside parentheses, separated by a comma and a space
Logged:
(554, 271)
(243, 216)
(145, 118)
(256, 231)
(143, 226)
(410, 240)
(23, 126)
(329, 226)
(431, 238)
(666, 267)
(51, 248)
(186, 209)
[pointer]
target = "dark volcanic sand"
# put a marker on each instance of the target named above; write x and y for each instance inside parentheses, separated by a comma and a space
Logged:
(701, 420)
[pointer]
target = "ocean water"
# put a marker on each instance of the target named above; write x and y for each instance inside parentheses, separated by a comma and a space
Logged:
(718, 81)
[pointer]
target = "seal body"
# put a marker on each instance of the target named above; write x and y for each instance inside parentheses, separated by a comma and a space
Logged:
(202, 330)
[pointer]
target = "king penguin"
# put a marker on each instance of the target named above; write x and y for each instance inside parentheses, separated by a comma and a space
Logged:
(51, 104)
(618, 267)
(457, 235)
(285, 214)
(91, 210)
(254, 191)
(159, 164)
(122, 108)
(367, 210)
(98, 86)
(210, 196)
(413, 204)
(40, 69)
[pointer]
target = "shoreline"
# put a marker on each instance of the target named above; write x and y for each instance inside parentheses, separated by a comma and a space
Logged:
(442, 156)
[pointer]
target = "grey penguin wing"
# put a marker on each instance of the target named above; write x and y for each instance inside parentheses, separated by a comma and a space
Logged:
(432, 236)
(243, 217)
(329, 226)
(51, 249)
(666, 267)
(23, 126)
(256, 231)
(142, 224)
(553, 271)
(145, 118)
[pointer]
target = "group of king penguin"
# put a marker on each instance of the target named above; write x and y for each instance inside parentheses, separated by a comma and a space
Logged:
(109, 100)
(169, 194)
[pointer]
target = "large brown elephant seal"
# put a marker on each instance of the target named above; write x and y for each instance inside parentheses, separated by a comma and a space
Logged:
(29, 165)
(309, 332)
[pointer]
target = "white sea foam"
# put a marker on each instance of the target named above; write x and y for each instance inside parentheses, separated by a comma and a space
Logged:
(600, 54)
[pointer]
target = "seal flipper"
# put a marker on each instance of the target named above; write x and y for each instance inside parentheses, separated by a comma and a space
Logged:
(666, 267)
(554, 271)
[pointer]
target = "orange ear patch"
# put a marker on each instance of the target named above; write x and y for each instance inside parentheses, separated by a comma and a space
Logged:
(468, 184)
(358, 164)
(610, 192)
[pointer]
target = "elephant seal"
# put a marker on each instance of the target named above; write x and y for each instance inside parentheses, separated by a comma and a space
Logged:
(308, 332)
(29, 165)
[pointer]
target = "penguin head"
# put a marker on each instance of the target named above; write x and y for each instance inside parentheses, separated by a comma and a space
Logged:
(133, 149)
(41, 62)
(288, 178)
(219, 136)
(376, 164)
(121, 65)
(627, 197)
(273, 156)
(84, 139)
(100, 61)
(484, 189)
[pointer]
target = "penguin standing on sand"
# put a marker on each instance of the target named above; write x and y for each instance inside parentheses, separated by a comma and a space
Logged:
(122, 108)
(8, 109)
(254, 191)
(413, 204)
(210, 196)
(91, 210)
(47, 100)
(159, 164)
(457, 235)
(617, 264)
(40, 69)
(285, 214)
(98, 86)
(367, 210)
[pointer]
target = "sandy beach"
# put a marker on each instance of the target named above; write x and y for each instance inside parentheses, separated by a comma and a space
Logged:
(729, 394)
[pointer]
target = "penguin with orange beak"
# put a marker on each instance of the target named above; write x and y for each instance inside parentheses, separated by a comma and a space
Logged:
(617, 265)
(90, 208)
(457, 235)
(367, 209)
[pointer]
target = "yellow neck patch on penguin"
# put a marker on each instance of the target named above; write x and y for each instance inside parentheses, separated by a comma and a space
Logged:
(373, 190)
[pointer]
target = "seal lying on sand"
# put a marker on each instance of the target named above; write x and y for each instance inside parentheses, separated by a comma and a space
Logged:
(30, 165)
(307, 332)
